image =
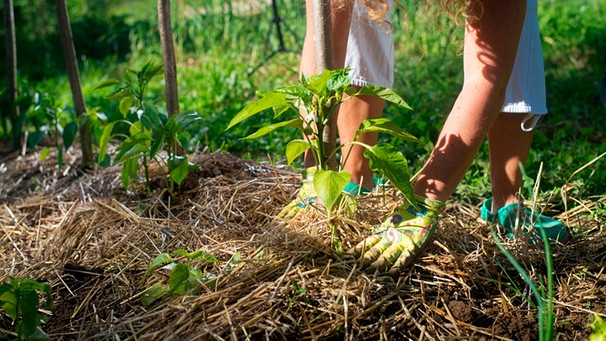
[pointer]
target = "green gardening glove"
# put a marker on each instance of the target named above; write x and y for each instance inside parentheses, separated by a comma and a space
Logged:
(401, 238)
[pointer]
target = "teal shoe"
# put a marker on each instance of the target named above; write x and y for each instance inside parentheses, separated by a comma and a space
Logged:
(507, 216)
(356, 190)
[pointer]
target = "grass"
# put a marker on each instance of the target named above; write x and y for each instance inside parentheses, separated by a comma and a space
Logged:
(220, 43)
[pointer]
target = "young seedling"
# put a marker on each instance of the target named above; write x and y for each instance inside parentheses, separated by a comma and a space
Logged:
(19, 299)
(150, 131)
(184, 278)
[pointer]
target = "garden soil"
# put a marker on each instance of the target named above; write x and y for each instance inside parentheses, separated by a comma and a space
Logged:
(93, 241)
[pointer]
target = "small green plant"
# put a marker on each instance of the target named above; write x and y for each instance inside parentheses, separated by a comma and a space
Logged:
(543, 293)
(298, 294)
(319, 97)
(20, 300)
(43, 117)
(149, 131)
(599, 329)
(184, 278)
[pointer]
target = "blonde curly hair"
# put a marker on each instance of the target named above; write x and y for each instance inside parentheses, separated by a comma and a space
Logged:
(469, 9)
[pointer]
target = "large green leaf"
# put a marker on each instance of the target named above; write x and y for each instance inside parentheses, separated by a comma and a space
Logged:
(152, 119)
(8, 302)
(384, 93)
(294, 123)
(103, 142)
(178, 166)
(318, 83)
(125, 104)
(295, 148)
(329, 186)
(69, 133)
(135, 145)
(339, 81)
(155, 146)
(178, 277)
(270, 100)
(384, 125)
(128, 172)
(183, 121)
(40, 286)
(160, 260)
(28, 305)
(389, 161)
(156, 291)
(294, 92)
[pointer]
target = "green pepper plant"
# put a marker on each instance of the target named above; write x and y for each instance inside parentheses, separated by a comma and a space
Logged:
(149, 132)
(185, 277)
(20, 300)
(312, 102)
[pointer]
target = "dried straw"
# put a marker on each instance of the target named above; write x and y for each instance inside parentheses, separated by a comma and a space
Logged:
(93, 241)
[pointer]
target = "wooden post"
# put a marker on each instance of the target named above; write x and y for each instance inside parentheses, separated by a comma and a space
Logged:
(71, 64)
(168, 57)
(11, 72)
(325, 60)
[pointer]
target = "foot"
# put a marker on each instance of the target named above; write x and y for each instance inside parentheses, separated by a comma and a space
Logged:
(401, 238)
(517, 217)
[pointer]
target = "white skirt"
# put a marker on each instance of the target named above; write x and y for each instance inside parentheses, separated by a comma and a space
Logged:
(370, 56)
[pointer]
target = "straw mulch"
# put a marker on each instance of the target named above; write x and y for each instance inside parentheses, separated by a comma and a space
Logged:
(93, 241)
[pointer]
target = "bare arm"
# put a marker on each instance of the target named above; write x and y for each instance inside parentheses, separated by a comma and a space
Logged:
(490, 49)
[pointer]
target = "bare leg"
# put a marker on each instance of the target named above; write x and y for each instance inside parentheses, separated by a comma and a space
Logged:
(351, 113)
(354, 110)
(508, 145)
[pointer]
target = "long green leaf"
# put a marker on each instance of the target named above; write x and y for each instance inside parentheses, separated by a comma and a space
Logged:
(294, 123)
(28, 305)
(384, 93)
(107, 83)
(158, 262)
(8, 302)
(317, 83)
(69, 133)
(339, 80)
(103, 142)
(272, 99)
(128, 172)
(389, 161)
(133, 146)
(385, 125)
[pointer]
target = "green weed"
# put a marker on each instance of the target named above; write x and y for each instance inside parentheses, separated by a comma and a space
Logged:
(19, 299)
(185, 278)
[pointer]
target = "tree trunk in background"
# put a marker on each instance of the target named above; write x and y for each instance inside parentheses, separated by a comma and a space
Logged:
(11, 72)
(325, 60)
(71, 64)
(168, 57)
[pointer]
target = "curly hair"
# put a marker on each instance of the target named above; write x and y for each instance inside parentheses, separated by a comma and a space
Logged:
(469, 9)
